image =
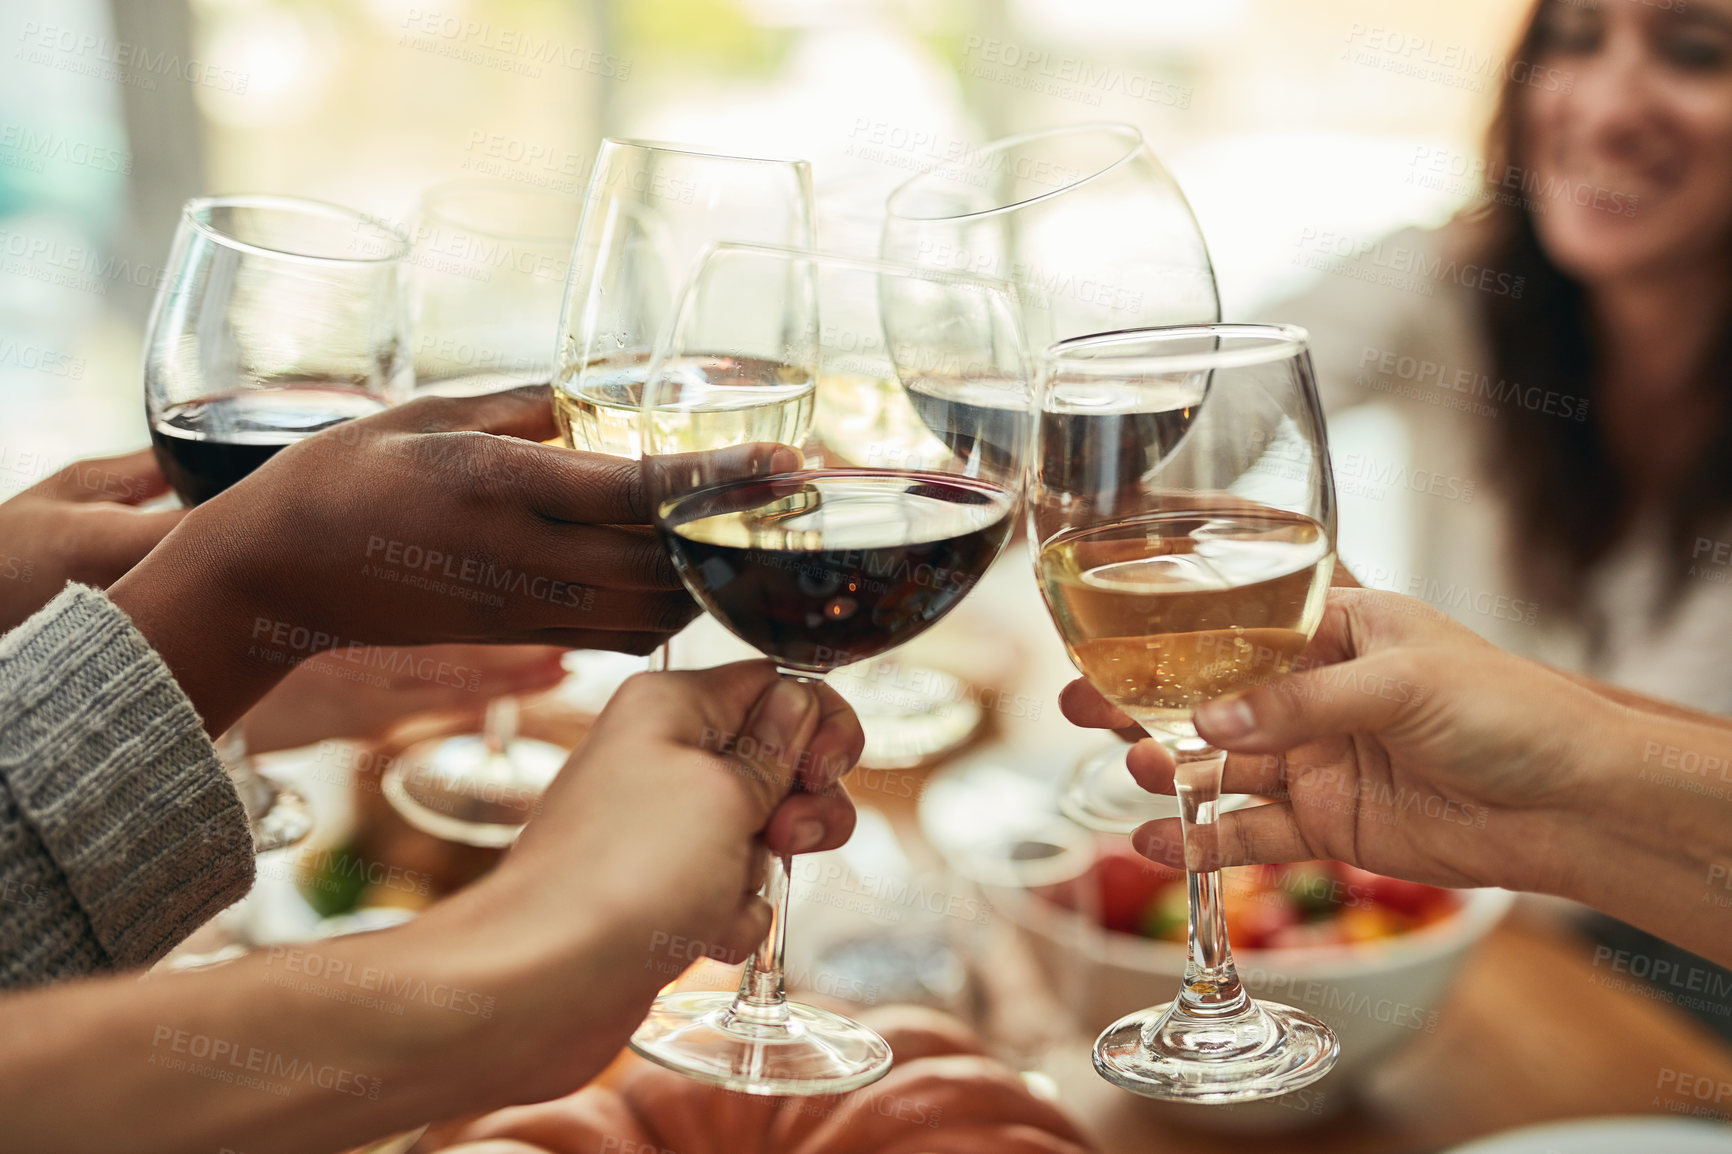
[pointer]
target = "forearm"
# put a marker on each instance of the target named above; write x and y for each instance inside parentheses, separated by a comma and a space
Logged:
(315, 1047)
(1662, 821)
(1641, 701)
(119, 831)
(198, 615)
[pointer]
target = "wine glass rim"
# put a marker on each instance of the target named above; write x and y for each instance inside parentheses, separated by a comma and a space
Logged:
(1130, 133)
(1264, 344)
(445, 190)
(684, 149)
(196, 212)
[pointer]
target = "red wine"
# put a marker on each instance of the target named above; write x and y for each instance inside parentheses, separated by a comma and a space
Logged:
(822, 569)
(205, 446)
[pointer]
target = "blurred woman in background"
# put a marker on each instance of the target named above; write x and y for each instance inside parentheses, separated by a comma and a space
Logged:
(1561, 354)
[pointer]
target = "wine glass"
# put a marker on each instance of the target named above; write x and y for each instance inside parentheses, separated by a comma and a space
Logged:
(820, 538)
(487, 273)
(1098, 237)
(1084, 219)
(650, 212)
(278, 317)
(1182, 516)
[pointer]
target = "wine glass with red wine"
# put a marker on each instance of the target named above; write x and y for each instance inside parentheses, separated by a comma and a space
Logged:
(1182, 517)
(279, 317)
(845, 512)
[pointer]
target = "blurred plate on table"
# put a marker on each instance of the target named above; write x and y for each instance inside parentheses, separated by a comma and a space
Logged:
(1638, 1135)
(913, 715)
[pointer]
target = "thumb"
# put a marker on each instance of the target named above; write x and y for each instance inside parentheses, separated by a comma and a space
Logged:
(771, 745)
(1369, 695)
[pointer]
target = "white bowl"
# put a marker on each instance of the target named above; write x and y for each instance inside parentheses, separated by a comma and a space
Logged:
(1377, 996)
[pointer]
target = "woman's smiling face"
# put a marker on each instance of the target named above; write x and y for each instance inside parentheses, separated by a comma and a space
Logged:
(1627, 133)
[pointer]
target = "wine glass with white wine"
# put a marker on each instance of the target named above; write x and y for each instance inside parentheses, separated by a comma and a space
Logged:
(651, 212)
(1182, 516)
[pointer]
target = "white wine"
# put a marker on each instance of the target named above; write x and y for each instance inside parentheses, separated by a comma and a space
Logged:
(721, 401)
(1166, 611)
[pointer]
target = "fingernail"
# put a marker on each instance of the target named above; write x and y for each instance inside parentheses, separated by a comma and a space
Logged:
(782, 713)
(1226, 718)
(807, 834)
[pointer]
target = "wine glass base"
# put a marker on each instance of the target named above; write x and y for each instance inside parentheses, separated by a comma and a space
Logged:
(813, 1051)
(1270, 1051)
(285, 821)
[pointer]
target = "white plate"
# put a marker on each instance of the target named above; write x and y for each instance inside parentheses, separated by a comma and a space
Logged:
(1638, 1135)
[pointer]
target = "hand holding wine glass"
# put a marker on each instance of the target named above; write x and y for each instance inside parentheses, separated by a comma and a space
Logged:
(885, 474)
(441, 520)
(1406, 744)
(1182, 515)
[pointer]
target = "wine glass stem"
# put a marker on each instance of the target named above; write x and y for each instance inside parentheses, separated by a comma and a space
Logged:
(1212, 988)
(761, 1000)
(499, 724)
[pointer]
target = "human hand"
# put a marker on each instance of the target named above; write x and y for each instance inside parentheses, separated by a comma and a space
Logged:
(359, 694)
(1407, 746)
(647, 853)
(441, 520)
(81, 524)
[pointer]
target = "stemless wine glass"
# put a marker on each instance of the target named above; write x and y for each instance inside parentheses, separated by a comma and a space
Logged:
(486, 276)
(279, 317)
(822, 539)
(1182, 515)
(1098, 237)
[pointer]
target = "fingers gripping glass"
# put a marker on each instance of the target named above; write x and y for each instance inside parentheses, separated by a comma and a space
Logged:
(833, 451)
(1182, 514)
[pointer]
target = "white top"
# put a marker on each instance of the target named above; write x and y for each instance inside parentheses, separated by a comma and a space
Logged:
(1399, 326)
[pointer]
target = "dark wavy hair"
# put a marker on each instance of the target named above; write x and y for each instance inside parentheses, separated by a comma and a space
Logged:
(1569, 501)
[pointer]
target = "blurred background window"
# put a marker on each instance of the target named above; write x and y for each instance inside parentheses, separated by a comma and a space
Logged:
(1283, 122)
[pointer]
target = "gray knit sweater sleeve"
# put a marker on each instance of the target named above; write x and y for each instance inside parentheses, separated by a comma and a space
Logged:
(119, 830)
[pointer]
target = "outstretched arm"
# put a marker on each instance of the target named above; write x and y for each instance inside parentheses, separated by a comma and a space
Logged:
(516, 990)
(1413, 748)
